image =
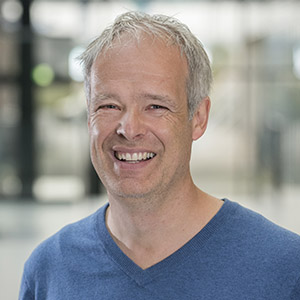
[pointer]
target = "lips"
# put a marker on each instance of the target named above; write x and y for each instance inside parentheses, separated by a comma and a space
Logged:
(134, 157)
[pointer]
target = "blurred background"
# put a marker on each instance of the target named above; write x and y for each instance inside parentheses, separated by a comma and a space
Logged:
(250, 152)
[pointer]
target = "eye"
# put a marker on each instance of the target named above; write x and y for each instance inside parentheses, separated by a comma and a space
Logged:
(156, 106)
(107, 107)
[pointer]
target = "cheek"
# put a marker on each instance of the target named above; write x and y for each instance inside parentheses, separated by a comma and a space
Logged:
(97, 130)
(96, 144)
(95, 135)
(93, 131)
(177, 142)
(182, 141)
(101, 135)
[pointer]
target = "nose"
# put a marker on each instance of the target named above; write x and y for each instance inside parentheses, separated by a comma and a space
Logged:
(131, 125)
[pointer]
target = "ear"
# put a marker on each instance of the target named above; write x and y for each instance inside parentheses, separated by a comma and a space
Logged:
(200, 118)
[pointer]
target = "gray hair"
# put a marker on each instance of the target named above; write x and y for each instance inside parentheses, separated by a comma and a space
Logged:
(167, 28)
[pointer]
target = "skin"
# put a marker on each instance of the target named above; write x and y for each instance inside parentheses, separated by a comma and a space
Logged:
(138, 104)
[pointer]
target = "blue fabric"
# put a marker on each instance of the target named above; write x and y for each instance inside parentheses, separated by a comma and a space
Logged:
(238, 255)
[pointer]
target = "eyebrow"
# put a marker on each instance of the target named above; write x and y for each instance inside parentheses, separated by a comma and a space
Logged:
(163, 98)
(101, 97)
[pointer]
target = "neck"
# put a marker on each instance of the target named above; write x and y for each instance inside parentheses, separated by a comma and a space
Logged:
(149, 229)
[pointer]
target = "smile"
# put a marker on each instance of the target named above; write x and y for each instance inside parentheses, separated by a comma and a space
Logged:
(135, 157)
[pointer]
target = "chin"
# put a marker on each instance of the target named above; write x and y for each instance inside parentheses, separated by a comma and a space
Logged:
(131, 192)
(129, 187)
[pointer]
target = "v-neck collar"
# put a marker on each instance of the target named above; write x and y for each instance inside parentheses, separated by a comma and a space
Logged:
(142, 277)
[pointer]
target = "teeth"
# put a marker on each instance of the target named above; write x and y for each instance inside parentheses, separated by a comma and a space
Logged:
(134, 157)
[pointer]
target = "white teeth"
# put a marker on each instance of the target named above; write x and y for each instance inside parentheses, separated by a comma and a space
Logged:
(134, 157)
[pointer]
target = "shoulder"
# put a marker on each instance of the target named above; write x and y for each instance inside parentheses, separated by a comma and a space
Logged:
(63, 245)
(262, 252)
(257, 233)
(255, 224)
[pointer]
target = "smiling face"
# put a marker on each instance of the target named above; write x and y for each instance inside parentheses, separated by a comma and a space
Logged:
(140, 132)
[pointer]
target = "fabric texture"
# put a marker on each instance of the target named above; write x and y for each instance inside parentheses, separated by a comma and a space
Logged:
(238, 255)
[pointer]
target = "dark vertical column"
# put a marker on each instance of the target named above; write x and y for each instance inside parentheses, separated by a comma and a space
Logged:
(26, 147)
(275, 151)
(95, 185)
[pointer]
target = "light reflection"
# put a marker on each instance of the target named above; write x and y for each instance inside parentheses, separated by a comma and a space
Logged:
(75, 71)
(296, 61)
(11, 10)
(43, 74)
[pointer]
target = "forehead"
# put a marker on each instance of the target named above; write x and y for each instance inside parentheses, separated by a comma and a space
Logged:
(145, 51)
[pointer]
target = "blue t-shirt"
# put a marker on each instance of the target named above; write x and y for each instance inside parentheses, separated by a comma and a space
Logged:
(237, 255)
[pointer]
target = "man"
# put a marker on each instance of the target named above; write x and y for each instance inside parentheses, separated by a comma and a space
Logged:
(160, 237)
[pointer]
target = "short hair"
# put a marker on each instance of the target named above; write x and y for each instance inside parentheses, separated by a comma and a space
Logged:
(168, 29)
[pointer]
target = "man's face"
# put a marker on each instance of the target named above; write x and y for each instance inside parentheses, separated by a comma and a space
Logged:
(140, 134)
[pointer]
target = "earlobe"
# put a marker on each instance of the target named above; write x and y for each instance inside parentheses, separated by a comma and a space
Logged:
(200, 118)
